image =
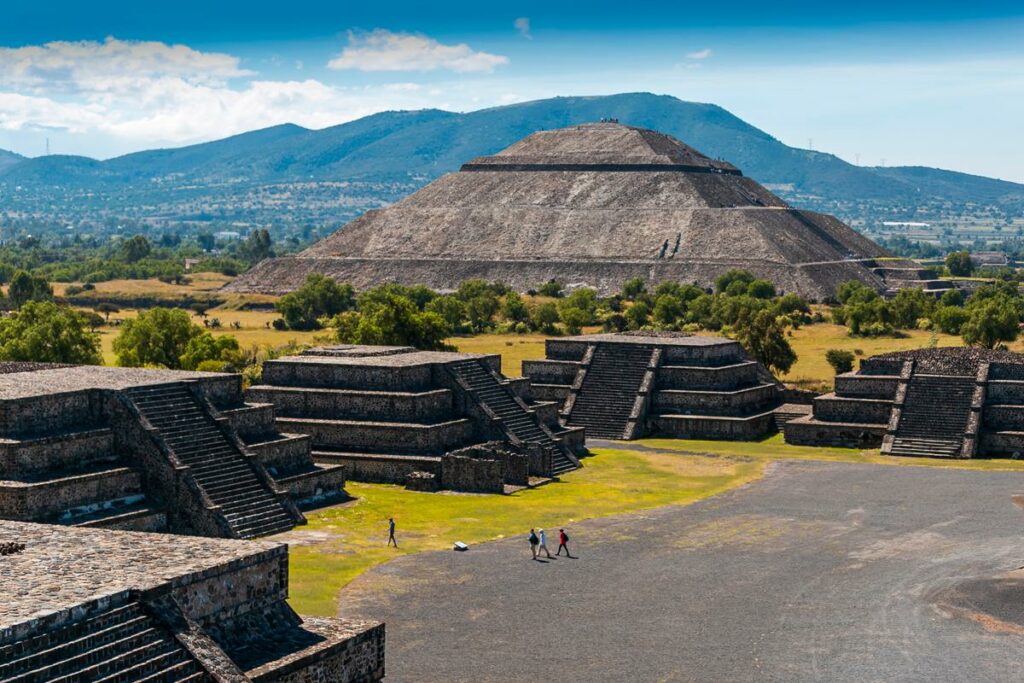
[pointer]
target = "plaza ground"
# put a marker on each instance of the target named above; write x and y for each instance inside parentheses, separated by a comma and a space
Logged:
(819, 571)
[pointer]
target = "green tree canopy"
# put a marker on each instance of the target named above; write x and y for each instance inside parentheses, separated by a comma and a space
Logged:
(841, 360)
(959, 264)
(159, 337)
(319, 297)
(390, 318)
(135, 248)
(43, 332)
(763, 335)
(991, 322)
(27, 287)
(725, 280)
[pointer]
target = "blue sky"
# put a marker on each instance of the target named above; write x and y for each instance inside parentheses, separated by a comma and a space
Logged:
(939, 84)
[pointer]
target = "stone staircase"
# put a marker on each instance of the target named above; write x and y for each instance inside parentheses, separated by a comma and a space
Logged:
(514, 417)
(119, 644)
(247, 502)
(790, 411)
(934, 417)
(603, 400)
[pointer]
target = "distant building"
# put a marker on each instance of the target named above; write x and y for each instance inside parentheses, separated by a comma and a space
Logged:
(228, 235)
(995, 259)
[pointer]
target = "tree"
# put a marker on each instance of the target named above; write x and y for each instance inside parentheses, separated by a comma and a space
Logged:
(551, 288)
(761, 289)
(212, 354)
(43, 332)
(578, 309)
(841, 360)
(135, 248)
(452, 310)
(393, 319)
(638, 315)
(257, 246)
(26, 287)
(319, 297)
(950, 319)
(633, 288)
(159, 337)
(959, 264)
(763, 335)
(514, 309)
(667, 310)
(952, 297)
(909, 306)
(991, 322)
(105, 309)
(723, 281)
(544, 317)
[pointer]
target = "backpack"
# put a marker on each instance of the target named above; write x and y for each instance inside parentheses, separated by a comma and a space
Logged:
(533, 539)
(565, 537)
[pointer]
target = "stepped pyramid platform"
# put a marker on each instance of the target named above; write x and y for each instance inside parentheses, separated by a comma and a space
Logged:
(595, 205)
(81, 604)
(150, 450)
(398, 415)
(636, 384)
(948, 402)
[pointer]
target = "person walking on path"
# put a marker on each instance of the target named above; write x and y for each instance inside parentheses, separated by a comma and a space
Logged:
(563, 542)
(533, 543)
(391, 532)
(543, 545)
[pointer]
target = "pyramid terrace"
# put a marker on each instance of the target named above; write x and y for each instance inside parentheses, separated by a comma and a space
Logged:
(95, 604)
(631, 385)
(424, 418)
(150, 450)
(593, 205)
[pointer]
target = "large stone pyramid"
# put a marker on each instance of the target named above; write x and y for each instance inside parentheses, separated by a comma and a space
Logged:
(594, 204)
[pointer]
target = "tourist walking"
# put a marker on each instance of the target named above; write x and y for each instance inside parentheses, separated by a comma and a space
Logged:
(563, 542)
(533, 543)
(543, 545)
(391, 532)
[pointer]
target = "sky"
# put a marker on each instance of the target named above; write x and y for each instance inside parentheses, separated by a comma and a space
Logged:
(877, 83)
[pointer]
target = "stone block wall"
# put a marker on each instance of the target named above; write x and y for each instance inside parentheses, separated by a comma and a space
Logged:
(804, 432)
(427, 406)
(867, 386)
(551, 371)
(377, 437)
(383, 469)
(730, 403)
(712, 427)
(833, 408)
(50, 413)
(723, 378)
(75, 450)
(336, 376)
(35, 501)
(1005, 391)
(475, 475)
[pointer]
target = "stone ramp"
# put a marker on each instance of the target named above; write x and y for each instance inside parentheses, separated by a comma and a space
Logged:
(119, 643)
(246, 500)
(513, 416)
(934, 417)
(602, 401)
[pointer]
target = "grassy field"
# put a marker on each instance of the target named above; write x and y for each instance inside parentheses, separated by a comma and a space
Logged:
(341, 542)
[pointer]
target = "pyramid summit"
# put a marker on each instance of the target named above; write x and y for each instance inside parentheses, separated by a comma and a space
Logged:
(594, 204)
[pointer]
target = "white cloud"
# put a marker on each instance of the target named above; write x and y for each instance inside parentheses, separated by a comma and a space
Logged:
(700, 54)
(110, 65)
(522, 24)
(383, 50)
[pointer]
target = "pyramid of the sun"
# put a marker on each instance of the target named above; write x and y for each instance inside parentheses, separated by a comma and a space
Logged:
(595, 205)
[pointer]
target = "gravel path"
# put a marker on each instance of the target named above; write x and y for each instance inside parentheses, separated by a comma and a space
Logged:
(819, 572)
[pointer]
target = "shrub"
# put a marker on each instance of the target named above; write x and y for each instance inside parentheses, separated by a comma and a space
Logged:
(841, 360)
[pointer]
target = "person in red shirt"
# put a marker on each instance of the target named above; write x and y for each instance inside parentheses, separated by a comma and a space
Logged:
(563, 542)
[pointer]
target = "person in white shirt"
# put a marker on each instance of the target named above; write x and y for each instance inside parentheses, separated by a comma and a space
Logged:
(543, 544)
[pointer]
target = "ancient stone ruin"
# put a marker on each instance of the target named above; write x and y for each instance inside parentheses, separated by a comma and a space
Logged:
(631, 385)
(593, 205)
(948, 402)
(398, 415)
(100, 605)
(151, 450)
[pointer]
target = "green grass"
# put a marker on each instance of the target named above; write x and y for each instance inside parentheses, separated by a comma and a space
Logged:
(342, 542)
(774, 448)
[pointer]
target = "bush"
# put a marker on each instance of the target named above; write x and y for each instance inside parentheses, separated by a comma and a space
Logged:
(43, 332)
(841, 360)
(319, 297)
(724, 281)
(551, 288)
(959, 264)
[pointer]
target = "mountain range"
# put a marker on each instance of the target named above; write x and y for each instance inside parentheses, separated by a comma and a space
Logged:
(411, 148)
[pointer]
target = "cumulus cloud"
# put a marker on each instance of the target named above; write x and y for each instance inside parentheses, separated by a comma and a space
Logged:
(110, 65)
(522, 24)
(383, 50)
(700, 54)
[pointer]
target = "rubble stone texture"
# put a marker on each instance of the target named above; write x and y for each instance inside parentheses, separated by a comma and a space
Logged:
(591, 205)
(89, 603)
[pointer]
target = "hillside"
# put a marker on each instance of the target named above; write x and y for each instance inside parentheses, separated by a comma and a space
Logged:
(8, 159)
(389, 154)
